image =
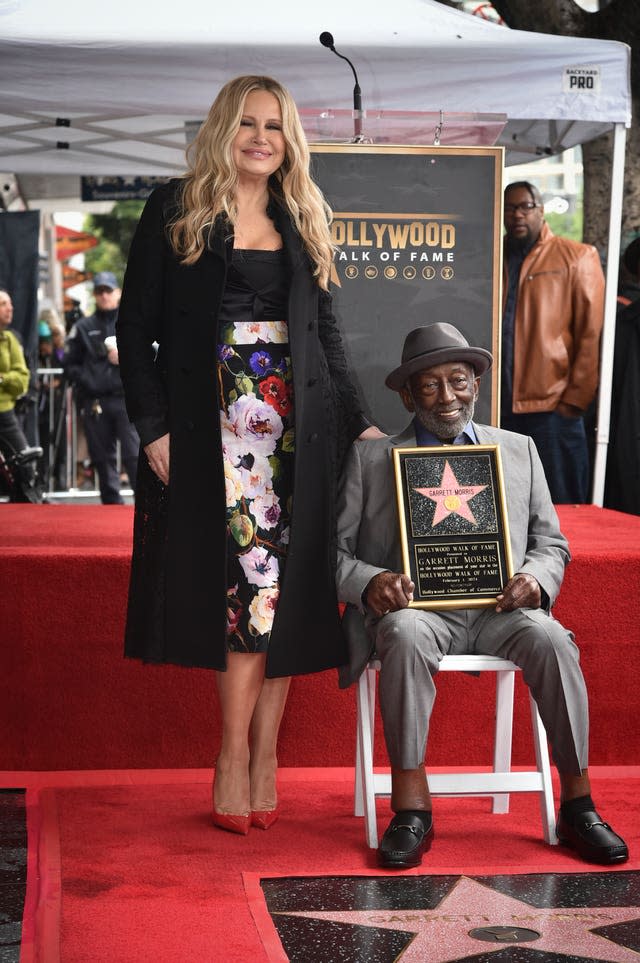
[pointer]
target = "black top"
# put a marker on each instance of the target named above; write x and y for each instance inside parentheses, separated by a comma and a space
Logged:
(257, 287)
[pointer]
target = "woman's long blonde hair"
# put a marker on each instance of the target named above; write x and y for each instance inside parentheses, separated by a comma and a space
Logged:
(210, 183)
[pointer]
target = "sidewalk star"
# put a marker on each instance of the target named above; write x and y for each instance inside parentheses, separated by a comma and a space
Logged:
(443, 934)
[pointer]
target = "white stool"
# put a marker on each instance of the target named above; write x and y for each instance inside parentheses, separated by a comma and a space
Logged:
(498, 783)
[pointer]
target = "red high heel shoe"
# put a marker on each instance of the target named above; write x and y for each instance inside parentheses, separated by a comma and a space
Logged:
(264, 818)
(233, 822)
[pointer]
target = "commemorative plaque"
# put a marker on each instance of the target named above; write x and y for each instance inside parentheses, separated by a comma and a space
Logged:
(454, 530)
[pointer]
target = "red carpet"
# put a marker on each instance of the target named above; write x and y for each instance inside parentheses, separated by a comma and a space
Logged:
(68, 699)
(130, 868)
(127, 865)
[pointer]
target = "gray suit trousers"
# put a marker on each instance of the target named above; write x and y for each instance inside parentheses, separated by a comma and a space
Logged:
(411, 642)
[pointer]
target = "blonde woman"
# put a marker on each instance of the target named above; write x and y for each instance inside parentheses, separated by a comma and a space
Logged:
(244, 414)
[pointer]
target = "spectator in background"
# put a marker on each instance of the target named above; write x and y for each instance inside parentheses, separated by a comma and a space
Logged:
(552, 318)
(622, 484)
(45, 345)
(51, 424)
(14, 379)
(26, 408)
(58, 335)
(629, 282)
(92, 365)
(73, 315)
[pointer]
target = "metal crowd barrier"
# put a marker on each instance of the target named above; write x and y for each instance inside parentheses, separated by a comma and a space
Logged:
(64, 425)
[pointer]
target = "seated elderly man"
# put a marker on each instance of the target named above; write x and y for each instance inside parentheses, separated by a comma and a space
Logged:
(438, 380)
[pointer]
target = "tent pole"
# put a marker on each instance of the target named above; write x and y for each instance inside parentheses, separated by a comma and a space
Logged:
(610, 304)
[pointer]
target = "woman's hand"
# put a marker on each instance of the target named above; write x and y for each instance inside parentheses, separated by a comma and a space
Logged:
(157, 453)
(371, 432)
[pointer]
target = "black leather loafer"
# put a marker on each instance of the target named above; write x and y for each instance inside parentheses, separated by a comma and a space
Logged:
(592, 838)
(404, 841)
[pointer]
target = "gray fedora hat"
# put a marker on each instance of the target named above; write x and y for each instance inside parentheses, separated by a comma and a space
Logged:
(434, 344)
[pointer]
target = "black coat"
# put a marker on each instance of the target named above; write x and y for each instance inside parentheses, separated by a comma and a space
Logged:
(177, 601)
(622, 488)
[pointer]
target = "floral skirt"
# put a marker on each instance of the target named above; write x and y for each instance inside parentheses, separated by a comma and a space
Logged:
(254, 372)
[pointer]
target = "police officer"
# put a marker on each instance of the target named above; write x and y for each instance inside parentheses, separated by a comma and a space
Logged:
(91, 364)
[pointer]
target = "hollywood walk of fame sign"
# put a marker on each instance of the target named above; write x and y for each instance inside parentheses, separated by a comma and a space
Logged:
(454, 530)
(418, 233)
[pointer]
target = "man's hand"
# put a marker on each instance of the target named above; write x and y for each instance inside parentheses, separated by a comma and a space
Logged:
(521, 592)
(157, 453)
(389, 592)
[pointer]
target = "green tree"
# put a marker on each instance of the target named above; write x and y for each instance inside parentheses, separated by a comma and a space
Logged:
(614, 20)
(115, 231)
(566, 225)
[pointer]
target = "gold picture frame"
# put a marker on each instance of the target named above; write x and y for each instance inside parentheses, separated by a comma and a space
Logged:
(454, 529)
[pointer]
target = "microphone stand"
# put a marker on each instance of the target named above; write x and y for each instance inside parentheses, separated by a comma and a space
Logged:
(326, 39)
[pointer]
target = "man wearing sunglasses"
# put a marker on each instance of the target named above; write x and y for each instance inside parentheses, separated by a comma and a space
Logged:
(553, 303)
(92, 365)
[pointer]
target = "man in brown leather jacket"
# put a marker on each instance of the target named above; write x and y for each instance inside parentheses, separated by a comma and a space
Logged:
(552, 317)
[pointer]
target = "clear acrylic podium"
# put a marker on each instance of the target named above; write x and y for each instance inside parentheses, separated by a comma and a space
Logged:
(402, 127)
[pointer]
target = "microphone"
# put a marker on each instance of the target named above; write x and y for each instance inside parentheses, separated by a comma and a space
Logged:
(326, 39)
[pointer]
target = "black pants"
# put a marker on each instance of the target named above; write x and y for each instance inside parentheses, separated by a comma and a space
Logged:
(103, 431)
(11, 434)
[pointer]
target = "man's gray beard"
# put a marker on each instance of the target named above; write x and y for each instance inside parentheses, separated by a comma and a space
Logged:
(445, 430)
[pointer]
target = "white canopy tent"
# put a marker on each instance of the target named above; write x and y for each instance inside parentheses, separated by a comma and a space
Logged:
(113, 89)
(130, 77)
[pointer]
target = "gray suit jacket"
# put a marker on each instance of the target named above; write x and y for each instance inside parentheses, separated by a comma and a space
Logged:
(368, 540)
